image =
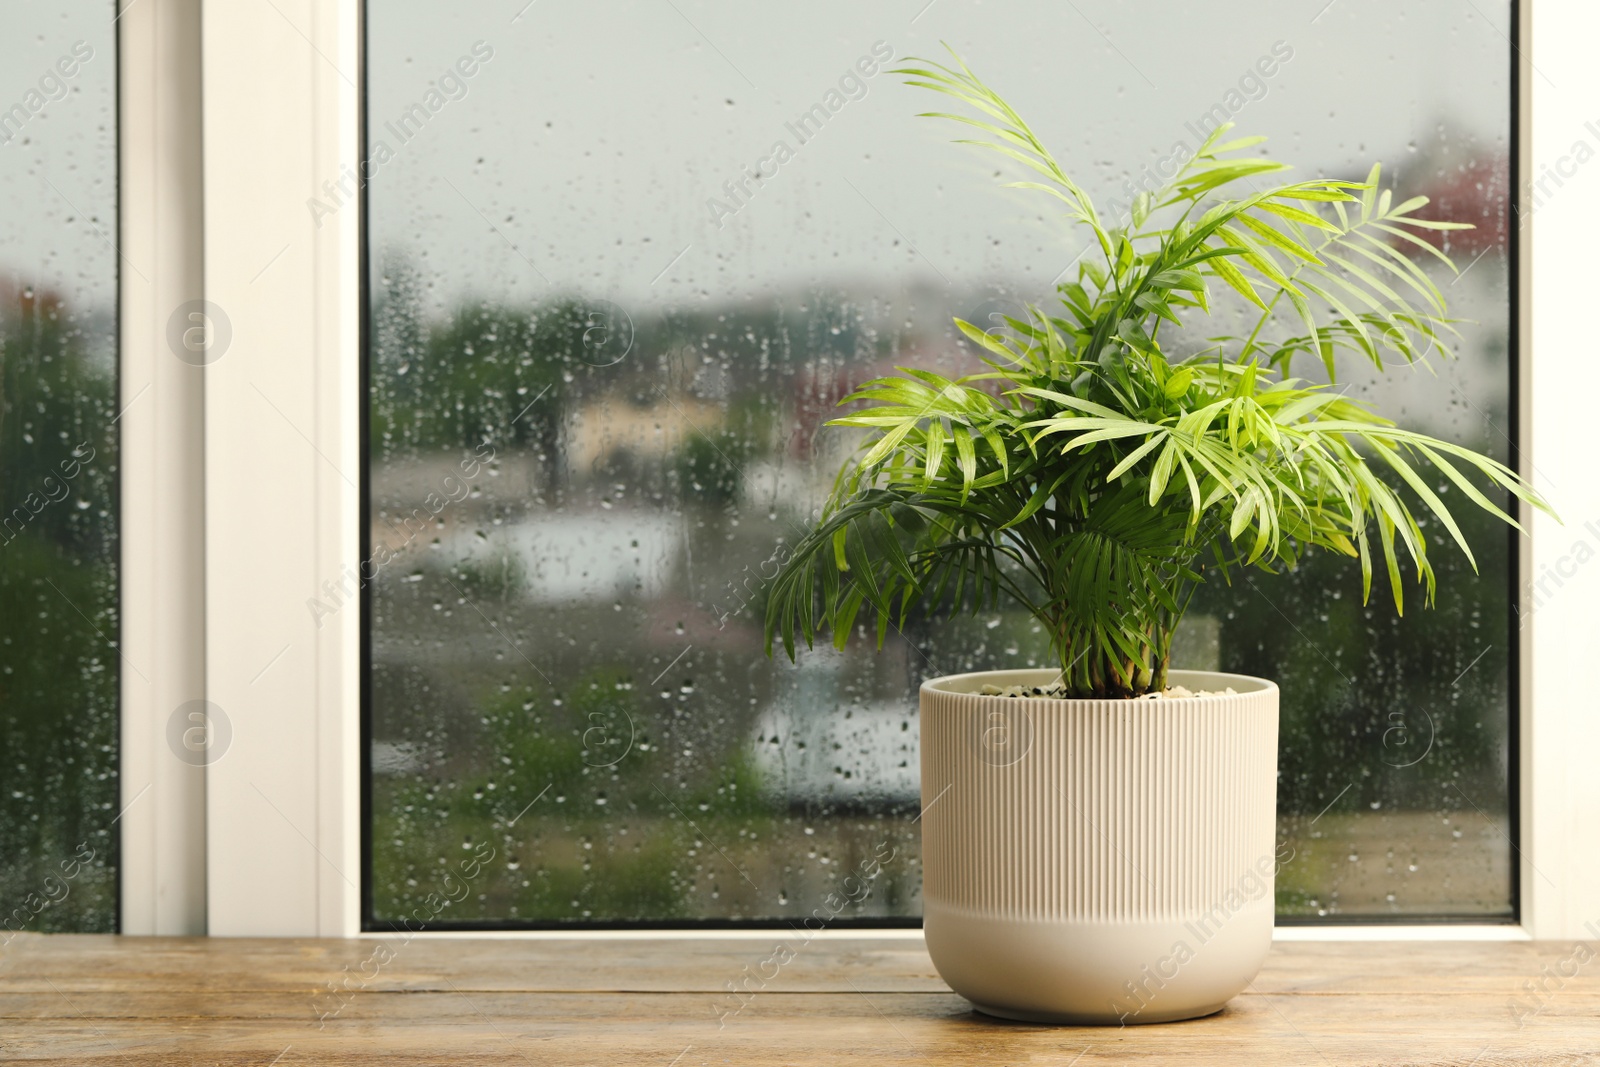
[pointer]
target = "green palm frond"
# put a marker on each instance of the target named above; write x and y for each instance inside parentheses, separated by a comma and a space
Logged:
(1103, 476)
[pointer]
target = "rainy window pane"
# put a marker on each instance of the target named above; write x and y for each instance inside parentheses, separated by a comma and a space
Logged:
(625, 259)
(58, 467)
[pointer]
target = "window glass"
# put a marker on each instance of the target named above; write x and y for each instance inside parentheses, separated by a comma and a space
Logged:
(623, 264)
(59, 664)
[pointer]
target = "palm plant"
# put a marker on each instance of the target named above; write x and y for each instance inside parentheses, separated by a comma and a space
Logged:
(1093, 473)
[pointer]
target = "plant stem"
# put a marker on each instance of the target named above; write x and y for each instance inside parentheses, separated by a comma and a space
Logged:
(1249, 342)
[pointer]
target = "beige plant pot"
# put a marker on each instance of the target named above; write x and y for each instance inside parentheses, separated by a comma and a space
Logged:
(1098, 861)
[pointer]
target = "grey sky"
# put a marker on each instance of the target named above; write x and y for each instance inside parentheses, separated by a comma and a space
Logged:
(592, 143)
(58, 171)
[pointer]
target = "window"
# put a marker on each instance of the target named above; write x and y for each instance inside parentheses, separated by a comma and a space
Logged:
(59, 621)
(1403, 777)
(622, 265)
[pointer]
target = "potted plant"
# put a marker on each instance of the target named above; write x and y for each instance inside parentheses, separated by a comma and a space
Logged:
(1098, 838)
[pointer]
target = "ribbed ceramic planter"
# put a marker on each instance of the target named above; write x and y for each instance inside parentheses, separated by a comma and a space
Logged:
(1098, 861)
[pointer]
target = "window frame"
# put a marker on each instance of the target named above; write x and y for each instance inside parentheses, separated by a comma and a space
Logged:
(281, 501)
(162, 883)
(291, 864)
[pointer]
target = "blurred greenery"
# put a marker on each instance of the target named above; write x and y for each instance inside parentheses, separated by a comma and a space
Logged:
(614, 746)
(1382, 717)
(58, 605)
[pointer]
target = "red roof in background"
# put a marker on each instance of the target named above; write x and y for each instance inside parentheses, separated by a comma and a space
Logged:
(1474, 192)
(27, 298)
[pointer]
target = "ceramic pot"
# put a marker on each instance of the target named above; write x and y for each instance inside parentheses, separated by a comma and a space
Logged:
(1098, 861)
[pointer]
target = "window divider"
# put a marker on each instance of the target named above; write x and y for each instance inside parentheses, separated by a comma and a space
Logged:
(161, 420)
(283, 466)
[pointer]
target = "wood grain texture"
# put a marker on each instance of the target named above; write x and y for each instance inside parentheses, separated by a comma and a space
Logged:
(107, 1000)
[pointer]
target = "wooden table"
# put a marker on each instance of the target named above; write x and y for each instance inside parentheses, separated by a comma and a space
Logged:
(108, 1000)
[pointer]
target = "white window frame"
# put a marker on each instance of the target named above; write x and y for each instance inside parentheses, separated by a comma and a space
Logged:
(282, 514)
(282, 467)
(162, 429)
(1560, 729)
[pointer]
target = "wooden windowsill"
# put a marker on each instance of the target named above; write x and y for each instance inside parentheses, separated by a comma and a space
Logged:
(81, 999)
